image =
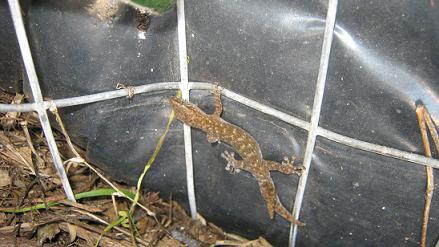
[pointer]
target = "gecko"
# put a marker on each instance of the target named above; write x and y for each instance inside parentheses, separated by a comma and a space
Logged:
(217, 129)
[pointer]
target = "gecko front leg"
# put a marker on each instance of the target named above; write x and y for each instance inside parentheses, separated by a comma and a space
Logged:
(233, 165)
(287, 166)
(213, 137)
(290, 164)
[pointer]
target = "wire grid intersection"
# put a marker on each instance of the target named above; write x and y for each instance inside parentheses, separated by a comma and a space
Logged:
(38, 106)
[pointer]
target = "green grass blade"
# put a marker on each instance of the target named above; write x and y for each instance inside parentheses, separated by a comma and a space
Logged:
(79, 196)
(153, 156)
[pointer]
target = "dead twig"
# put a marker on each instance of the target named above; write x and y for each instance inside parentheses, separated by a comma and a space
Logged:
(127, 233)
(423, 117)
(81, 206)
(90, 237)
(38, 159)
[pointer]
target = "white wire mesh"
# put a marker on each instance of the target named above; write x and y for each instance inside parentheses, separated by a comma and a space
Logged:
(184, 87)
(315, 114)
(38, 106)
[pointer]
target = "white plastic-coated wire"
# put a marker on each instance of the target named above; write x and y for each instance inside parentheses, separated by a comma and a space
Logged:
(28, 107)
(184, 87)
(38, 106)
(345, 140)
(159, 86)
(253, 104)
(91, 98)
(378, 149)
(315, 114)
(113, 94)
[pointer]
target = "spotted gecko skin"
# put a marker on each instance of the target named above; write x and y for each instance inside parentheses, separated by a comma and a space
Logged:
(217, 129)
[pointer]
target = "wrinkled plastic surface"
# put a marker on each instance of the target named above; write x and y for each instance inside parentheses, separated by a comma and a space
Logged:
(384, 57)
(10, 58)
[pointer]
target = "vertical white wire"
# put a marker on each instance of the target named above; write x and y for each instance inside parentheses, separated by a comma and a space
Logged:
(315, 114)
(20, 31)
(184, 87)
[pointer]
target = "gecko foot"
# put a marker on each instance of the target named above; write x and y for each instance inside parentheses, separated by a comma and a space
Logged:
(290, 163)
(217, 89)
(231, 162)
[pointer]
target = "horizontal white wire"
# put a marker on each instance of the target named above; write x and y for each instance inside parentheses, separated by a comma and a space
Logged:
(253, 104)
(113, 94)
(91, 98)
(345, 140)
(28, 107)
(348, 141)
(378, 149)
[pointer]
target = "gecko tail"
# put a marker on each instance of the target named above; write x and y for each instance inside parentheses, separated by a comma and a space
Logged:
(282, 211)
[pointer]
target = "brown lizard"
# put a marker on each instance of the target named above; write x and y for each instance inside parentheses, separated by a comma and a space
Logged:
(217, 129)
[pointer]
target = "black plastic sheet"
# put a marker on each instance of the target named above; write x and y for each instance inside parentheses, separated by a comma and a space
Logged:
(384, 57)
(10, 59)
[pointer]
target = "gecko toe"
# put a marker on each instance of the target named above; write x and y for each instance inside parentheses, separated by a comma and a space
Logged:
(299, 170)
(231, 169)
(287, 161)
(300, 223)
(229, 156)
(231, 162)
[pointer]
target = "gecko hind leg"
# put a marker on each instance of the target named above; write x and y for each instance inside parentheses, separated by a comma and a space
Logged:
(233, 165)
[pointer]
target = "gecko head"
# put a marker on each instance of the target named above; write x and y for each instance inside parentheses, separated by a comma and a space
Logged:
(186, 111)
(180, 106)
(175, 103)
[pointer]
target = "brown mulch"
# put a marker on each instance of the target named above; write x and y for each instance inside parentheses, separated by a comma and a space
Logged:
(27, 178)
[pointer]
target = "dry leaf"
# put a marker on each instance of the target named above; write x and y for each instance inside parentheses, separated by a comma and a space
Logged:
(5, 178)
(201, 219)
(167, 241)
(48, 231)
(72, 232)
(105, 9)
(11, 117)
(144, 223)
(3, 218)
(260, 242)
(26, 153)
